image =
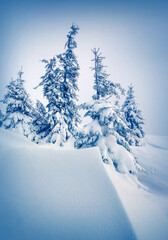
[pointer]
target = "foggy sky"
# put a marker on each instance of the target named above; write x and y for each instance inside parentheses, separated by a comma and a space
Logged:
(132, 35)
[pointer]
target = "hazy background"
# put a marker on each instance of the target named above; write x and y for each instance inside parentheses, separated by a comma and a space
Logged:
(132, 35)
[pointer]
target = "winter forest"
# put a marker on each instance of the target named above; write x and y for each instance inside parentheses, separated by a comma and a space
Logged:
(73, 168)
(111, 120)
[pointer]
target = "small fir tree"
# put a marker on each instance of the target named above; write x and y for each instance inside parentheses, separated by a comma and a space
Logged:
(18, 110)
(134, 119)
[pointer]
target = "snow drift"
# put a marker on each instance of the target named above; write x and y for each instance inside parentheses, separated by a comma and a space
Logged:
(147, 210)
(48, 194)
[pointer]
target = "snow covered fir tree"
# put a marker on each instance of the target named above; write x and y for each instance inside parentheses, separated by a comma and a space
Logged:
(18, 107)
(107, 128)
(69, 88)
(134, 119)
(60, 88)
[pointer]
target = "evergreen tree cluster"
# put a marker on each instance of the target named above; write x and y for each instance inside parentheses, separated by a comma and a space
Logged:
(59, 121)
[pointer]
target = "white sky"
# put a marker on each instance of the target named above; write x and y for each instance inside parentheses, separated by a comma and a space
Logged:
(135, 47)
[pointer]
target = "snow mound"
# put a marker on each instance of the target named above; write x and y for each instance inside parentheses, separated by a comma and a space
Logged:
(9, 139)
(147, 210)
(49, 194)
(122, 160)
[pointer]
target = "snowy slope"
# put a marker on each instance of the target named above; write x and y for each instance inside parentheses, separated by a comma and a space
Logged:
(154, 158)
(147, 210)
(49, 194)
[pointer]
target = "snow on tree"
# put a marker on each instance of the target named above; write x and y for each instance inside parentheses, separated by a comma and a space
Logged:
(60, 87)
(52, 85)
(41, 108)
(40, 124)
(57, 130)
(107, 129)
(134, 119)
(18, 109)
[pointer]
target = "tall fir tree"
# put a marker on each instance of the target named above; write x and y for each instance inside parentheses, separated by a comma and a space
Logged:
(134, 119)
(70, 74)
(60, 88)
(107, 128)
(18, 110)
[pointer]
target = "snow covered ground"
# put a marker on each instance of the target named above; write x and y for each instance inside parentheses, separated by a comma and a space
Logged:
(52, 194)
(147, 210)
(49, 194)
